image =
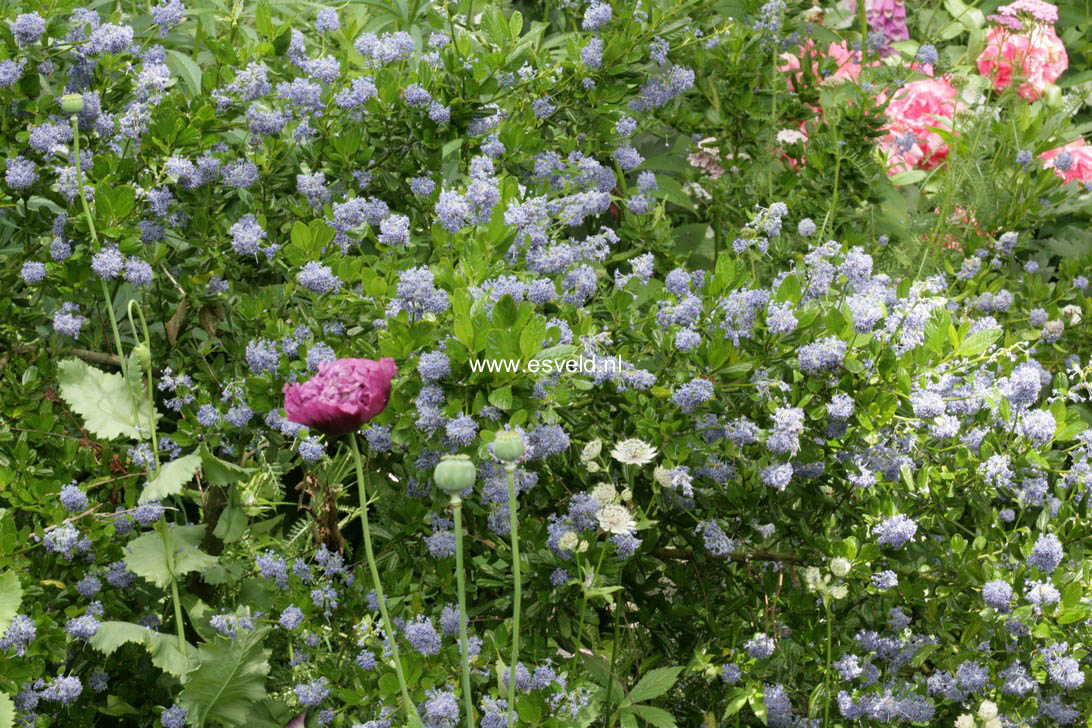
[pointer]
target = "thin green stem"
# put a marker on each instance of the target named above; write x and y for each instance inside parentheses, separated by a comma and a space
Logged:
(517, 590)
(613, 660)
(460, 579)
(148, 369)
(830, 654)
(584, 601)
(412, 716)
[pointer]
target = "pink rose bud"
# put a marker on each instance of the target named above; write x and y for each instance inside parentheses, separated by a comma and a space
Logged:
(342, 396)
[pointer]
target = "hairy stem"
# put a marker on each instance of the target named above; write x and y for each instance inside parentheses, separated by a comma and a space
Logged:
(412, 716)
(460, 578)
(517, 591)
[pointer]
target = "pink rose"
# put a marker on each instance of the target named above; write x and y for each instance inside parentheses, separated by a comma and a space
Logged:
(1036, 55)
(343, 395)
(916, 109)
(1080, 161)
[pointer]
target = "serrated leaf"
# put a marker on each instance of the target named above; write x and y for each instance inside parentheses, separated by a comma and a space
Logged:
(654, 684)
(11, 597)
(654, 716)
(171, 477)
(112, 635)
(229, 680)
(221, 472)
(148, 557)
(162, 647)
(103, 401)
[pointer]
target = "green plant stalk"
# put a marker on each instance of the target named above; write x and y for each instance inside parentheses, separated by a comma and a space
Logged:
(151, 388)
(826, 690)
(460, 579)
(412, 716)
(95, 240)
(517, 590)
(613, 659)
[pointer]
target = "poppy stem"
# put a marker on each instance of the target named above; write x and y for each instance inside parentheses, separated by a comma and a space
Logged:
(510, 467)
(460, 577)
(413, 718)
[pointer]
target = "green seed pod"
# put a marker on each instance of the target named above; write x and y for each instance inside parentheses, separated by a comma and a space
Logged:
(508, 446)
(454, 474)
(143, 355)
(72, 103)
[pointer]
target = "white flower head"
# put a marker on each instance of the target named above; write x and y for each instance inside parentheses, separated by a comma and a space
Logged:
(633, 452)
(591, 466)
(965, 721)
(616, 519)
(661, 476)
(568, 541)
(788, 137)
(604, 494)
(987, 710)
(591, 450)
(840, 566)
(1072, 314)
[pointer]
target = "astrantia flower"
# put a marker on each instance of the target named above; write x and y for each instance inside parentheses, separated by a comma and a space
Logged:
(633, 452)
(614, 518)
(343, 395)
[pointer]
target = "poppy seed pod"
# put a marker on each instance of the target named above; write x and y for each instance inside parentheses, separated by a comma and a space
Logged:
(72, 103)
(454, 474)
(508, 446)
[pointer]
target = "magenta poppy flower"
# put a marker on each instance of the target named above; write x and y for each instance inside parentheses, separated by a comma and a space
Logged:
(343, 395)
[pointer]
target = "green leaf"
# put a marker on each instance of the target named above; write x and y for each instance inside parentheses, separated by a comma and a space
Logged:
(221, 472)
(232, 524)
(229, 680)
(654, 716)
(147, 557)
(187, 70)
(11, 596)
(560, 352)
(7, 711)
(978, 342)
(103, 401)
(162, 647)
(654, 684)
(171, 478)
(909, 177)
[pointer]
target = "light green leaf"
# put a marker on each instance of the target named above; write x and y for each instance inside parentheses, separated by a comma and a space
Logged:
(654, 716)
(11, 596)
(229, 680)
(909, 177)
(221, 472)
(103, 401)
(654, 684)
(978, 342)
(147, 557)
(7, 711)
(171, 478)
(162, 647)
(186, 69)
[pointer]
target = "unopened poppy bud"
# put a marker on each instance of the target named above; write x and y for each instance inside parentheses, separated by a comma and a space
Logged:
(508, 446)
(454, 474)
(72, 103)
(143, 355)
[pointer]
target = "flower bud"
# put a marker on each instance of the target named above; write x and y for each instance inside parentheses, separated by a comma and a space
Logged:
(592, 450)
(143, 355)
(454, 474)
(72, 103)
(508, 446)
(840, 566)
